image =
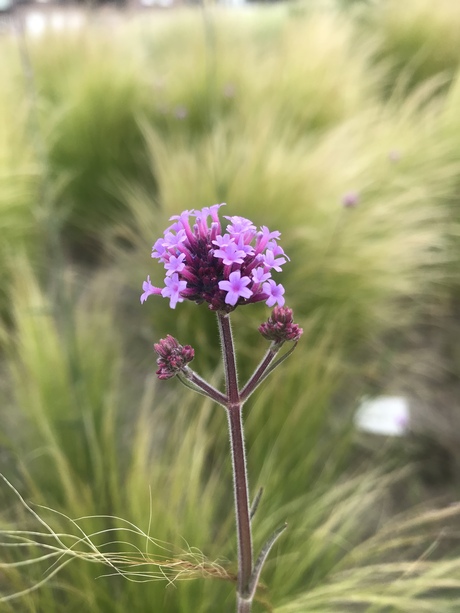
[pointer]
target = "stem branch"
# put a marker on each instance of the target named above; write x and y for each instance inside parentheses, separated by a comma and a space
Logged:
(203, 386)
(260, 370)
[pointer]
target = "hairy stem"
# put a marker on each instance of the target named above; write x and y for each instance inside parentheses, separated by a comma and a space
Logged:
(260, 371)
(228, 354)
(243, 518)
(243, 605)
(203, 386)
(240, 481)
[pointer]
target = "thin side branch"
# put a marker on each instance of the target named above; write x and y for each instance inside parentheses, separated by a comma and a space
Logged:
(192, 380)
(258, 375)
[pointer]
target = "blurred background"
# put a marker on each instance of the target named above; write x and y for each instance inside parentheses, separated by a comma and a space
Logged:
(335, 122)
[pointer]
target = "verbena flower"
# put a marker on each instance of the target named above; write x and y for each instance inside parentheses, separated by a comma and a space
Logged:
(174, 357)
(225, 266)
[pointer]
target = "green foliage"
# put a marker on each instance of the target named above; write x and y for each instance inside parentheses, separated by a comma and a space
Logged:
(419, 39)
(90, 112)
(21, 213)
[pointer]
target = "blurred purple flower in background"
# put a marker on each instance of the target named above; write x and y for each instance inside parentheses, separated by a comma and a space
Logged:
(350, 200)
(180, 112)
(229, 90)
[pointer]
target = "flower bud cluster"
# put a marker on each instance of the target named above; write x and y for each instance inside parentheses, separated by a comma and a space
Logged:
(224, 267)
(173, 357)
(280, 326)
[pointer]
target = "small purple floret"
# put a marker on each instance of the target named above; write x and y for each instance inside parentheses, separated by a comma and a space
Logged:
(259, 275)
(149, 290)
(173, 289)
(175, 264)
(235, 287)
(275, 293)
(230, 254)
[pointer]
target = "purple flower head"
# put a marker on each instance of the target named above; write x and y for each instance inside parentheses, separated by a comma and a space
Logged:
(225, 264)
(173, 357)
(280, 326)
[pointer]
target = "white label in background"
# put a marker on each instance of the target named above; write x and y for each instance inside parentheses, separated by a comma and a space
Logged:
(386, 415)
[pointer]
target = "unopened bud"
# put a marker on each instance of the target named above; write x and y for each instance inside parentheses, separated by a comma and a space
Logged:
(173, 357)
(280, 326)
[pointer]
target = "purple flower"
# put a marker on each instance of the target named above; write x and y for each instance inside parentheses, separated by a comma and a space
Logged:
(275, 293)
(171, 241)
(259, 275)
(235, 287)
(175, 264)
(223, 264)
(240, 226)
(270, 261)
(350, 200)
(263, 237)
(158, 249)
(149, 289)
(173, 289)
(230, 254)
(222, 241)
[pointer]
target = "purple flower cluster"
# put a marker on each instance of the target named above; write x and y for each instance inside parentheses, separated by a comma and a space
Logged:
(225, 267)
(173, 357)
(280, 326)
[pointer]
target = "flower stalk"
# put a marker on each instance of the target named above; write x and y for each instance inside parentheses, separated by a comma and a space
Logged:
(241, 493)
(240, 480)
